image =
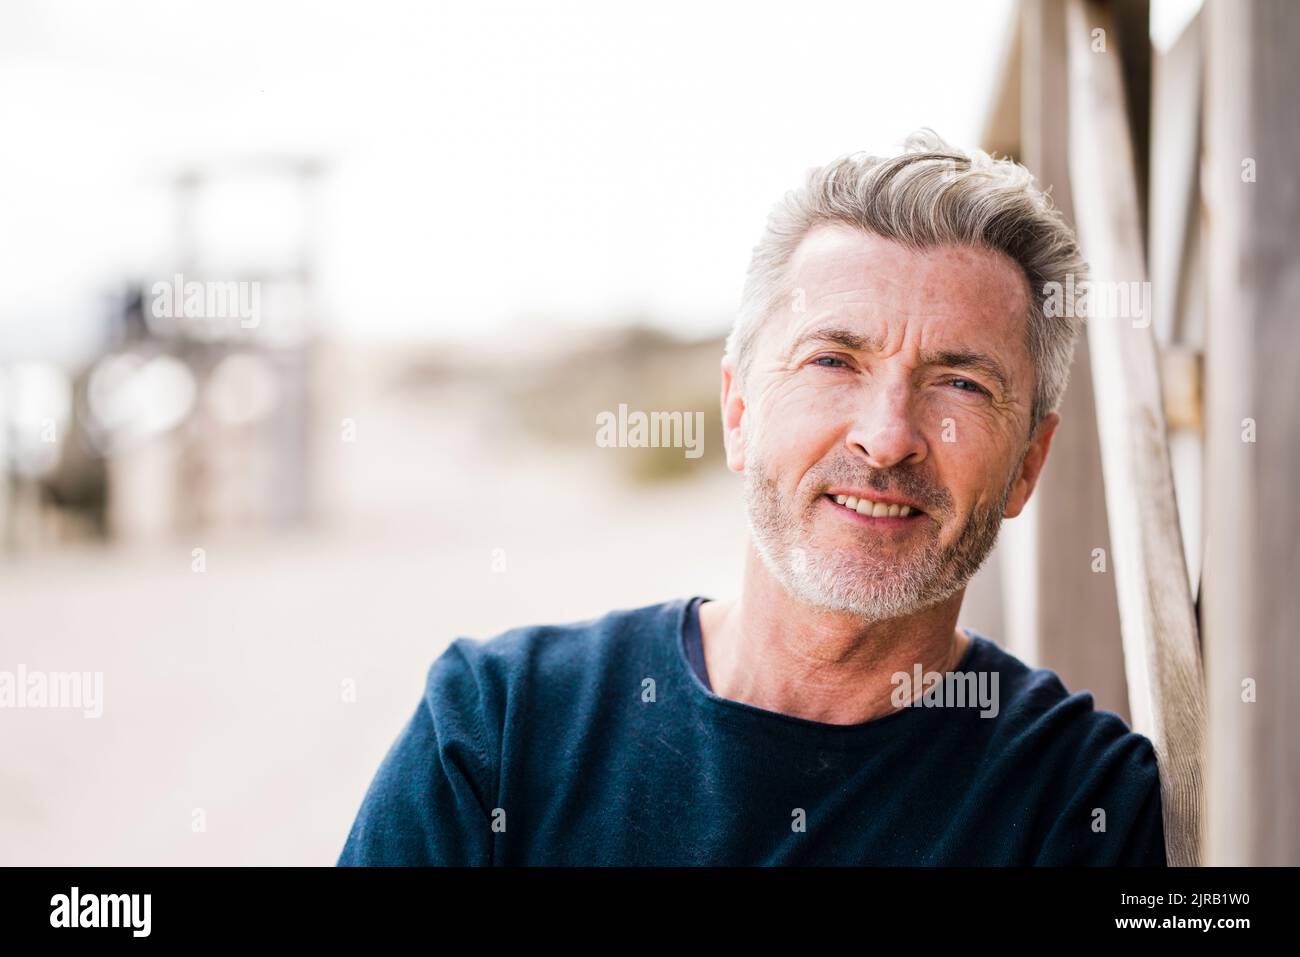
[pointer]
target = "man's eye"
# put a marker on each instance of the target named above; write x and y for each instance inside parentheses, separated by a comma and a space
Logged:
(968, 385)
(830, 362)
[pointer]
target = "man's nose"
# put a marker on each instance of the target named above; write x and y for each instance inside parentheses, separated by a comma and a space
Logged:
(884, 431)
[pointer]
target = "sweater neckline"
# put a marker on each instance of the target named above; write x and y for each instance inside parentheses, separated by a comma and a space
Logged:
(803, 730)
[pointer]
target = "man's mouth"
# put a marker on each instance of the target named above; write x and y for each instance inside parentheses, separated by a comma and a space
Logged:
(867, 508)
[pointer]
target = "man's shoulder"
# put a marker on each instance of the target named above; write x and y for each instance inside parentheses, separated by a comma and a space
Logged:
(1094, 781)
(1036, 694)
(553, 655)
(565, 641)
(1040, 715)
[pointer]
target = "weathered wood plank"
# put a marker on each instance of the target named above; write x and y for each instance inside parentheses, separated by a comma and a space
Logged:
(1250, 604)
(1050, 546)
(1161, 648)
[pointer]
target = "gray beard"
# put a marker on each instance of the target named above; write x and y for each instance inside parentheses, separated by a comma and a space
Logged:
(860, 580)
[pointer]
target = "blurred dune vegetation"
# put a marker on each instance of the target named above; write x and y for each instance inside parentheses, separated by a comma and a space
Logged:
(555, 397)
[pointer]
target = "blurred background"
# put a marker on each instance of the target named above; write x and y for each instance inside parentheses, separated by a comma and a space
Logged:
(452, 235)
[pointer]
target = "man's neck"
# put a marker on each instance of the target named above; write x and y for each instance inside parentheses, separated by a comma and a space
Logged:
(775, 652)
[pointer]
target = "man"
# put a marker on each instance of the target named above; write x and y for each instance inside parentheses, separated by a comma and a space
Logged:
(889, 394)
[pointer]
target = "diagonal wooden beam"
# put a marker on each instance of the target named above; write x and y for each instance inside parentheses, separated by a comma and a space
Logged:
(1157, 619)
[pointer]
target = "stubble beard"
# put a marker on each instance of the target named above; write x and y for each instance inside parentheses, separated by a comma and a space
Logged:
(865, 579)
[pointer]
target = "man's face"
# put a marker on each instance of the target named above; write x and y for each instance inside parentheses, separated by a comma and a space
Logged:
(895, 376)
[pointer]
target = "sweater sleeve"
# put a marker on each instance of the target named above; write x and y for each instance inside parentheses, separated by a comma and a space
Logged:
(1114, 815)
(430, 802)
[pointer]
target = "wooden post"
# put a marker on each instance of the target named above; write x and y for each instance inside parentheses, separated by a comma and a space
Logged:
(1061, 613)
(1161, 650)
(1250, 603)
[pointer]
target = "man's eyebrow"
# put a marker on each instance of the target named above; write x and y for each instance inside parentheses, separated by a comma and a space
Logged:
(974, 361)
(951, 358)
(840, 337)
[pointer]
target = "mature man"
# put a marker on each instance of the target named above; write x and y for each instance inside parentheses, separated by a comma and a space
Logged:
(889, 394)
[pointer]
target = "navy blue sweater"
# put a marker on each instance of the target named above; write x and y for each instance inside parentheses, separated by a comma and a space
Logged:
(598, 743)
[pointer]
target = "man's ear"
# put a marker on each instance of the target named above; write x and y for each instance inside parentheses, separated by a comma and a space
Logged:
(1032, 466)
(733, 417)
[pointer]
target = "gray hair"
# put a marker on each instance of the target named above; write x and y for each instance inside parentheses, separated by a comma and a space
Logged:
(931, 194)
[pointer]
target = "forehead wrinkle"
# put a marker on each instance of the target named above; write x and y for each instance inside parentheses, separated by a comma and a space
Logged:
(827, 268)
(958, 357)
(886, 281)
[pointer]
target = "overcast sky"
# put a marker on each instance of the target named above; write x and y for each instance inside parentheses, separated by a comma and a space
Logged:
(488, 162)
